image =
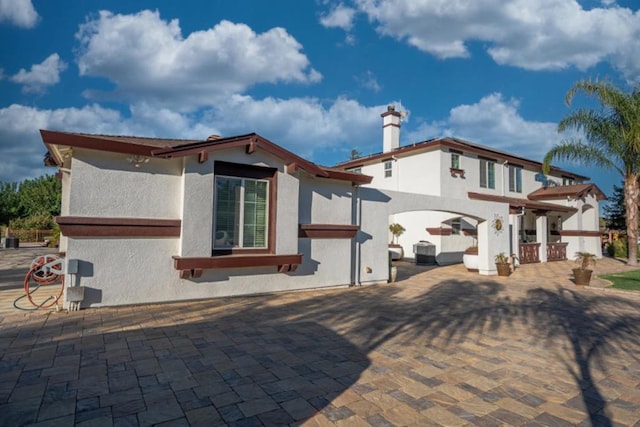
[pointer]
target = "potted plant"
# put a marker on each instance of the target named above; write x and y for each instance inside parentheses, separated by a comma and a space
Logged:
(396, 249)
(582, 274)
(470, 258)
(502, 264)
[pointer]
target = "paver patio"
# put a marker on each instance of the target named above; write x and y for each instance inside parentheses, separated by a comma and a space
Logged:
(440, 347)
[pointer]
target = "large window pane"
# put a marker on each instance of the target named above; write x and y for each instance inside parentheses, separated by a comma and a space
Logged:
(228, 210)
(492, 174)
(241, 213)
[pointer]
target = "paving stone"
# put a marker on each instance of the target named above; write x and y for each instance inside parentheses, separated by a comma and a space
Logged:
(298, 409)
(335, 414)
(379, 421)
(230, 413)
(204, 416)
(278, 417)
(56, 409)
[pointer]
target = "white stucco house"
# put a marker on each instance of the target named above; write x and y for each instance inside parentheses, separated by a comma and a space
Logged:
(537, 217)
(150, 220)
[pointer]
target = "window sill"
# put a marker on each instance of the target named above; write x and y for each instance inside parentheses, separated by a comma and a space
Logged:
(192, 267)
(327, 231)
(456, 172)
(439, 231)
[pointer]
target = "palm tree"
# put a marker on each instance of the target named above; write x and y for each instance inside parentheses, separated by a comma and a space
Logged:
(612, 137)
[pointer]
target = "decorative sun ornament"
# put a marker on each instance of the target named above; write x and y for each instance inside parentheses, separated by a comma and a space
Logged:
(497, 224)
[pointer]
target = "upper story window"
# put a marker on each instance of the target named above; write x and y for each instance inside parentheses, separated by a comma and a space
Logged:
(567, 180)
(388, 169)
(455, 159)
(244, 215)
(356, 170)
(456, 226)
(515, 178)
(487, 173)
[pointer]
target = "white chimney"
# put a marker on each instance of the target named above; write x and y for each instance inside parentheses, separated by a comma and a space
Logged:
(390, 129)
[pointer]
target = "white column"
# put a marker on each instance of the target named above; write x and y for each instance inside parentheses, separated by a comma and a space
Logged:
(493, 238)
(541, 235)
(514, 220)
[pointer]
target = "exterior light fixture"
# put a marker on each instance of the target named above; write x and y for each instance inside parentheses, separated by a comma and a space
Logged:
(137, 160)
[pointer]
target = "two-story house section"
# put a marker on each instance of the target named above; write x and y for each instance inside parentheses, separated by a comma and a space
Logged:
(550, 217)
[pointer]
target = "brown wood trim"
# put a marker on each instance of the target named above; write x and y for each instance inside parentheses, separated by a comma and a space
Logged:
(240, 141)
(327, 231)
(254, 172)
(77, 226)
(439, 231)
(456, 172)
(203, 156)
(356, 178)
(582, 233)
(470, 232)
(467, 147)
(236, 261)
(94, 142)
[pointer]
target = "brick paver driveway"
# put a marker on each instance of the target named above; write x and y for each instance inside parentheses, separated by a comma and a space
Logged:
(440, 347)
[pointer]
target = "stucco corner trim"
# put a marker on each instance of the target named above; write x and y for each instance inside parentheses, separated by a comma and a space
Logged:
(327, 231)
(192, 267)
(78, 226)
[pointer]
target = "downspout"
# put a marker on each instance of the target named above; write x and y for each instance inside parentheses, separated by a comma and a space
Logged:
(357, 254)
(504, 166)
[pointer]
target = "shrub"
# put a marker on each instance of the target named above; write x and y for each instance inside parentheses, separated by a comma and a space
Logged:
(617, 249)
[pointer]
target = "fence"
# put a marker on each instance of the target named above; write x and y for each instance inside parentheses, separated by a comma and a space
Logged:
(36, 236)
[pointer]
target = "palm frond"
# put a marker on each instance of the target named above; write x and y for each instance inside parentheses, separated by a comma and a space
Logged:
(576, 150)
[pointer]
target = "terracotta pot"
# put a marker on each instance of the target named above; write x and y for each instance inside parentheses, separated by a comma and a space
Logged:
(582, 277)
(503, 269)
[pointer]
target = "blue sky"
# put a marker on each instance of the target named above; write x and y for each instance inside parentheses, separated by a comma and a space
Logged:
(312, 76)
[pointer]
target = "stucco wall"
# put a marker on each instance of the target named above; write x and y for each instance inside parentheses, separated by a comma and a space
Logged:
(138, 270)
(107, 185)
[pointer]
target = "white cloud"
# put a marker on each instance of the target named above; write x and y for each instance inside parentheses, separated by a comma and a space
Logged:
(339, 17)
(534, 35)
(305, 126)
(41, 75)
(18, 12)
(496, 122)
(148, 59)
(368, 81)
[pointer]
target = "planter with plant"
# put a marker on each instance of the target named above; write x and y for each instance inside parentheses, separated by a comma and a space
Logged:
(582, 274)
(470, 259)
(502, 264)
(397, 230)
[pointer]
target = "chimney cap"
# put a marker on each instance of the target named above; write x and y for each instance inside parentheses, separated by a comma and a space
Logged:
(391, 107)
(213, 137)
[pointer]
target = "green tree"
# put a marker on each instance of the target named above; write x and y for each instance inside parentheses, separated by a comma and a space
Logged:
(9, 202)
(614, 210)
(40, 196)
(612, 141)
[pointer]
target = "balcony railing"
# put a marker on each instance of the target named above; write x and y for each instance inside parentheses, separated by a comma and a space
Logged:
(530, 252)
(556, 251)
